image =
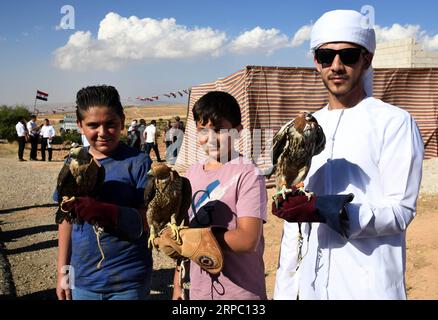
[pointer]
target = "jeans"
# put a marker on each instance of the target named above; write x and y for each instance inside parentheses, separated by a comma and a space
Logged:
(141, 293)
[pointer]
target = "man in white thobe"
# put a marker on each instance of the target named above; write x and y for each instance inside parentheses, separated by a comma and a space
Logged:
(375, 151)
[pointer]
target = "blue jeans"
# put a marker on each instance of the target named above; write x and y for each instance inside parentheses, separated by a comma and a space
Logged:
(141, 293)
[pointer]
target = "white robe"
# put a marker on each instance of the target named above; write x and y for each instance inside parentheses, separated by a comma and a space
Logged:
(375, 151)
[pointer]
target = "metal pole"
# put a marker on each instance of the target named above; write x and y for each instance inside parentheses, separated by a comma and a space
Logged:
(34, 105)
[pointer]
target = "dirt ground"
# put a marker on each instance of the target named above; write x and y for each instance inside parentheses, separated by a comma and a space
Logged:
(29, 234)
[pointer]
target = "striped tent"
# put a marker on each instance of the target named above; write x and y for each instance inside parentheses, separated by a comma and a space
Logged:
(271, 96)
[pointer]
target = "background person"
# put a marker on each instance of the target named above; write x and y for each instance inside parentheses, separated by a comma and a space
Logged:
(150, 135)
(22, 134)
(47, 133)
(33, 130)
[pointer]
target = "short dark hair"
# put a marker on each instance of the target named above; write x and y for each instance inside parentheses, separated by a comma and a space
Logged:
(215, 106)
(96, 96)
(153, 122)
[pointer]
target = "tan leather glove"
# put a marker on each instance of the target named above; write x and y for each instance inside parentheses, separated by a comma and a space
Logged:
(197, 244)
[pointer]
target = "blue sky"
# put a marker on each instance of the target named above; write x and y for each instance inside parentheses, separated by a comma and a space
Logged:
(146, 48)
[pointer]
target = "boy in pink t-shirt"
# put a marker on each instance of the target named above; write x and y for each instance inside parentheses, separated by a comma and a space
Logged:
(228, 192)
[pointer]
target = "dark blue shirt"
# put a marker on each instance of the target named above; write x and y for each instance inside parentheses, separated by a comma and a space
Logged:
(127, 264)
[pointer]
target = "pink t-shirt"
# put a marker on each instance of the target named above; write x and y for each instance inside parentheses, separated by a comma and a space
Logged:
(231, 191)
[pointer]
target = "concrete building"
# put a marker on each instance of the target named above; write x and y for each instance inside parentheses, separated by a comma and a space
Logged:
(404, 53)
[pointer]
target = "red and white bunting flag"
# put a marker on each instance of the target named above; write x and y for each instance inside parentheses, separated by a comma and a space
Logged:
(155, 97)
(186, 91)
(180, 93)
(167, 95)
(173, 94)
(42, 95)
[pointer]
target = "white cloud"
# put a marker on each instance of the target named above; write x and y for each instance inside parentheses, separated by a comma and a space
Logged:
(259, 40)
(302, 35)
(121, 39)
(383, 34)
(431, 42)
(396, 31)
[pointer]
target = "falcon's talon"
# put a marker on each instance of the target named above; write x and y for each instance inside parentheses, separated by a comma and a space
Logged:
(281, 192)
(308, 194)
(175, 231)
(65, 200)
(151, 243)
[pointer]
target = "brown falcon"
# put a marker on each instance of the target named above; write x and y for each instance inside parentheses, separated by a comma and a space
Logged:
(167, 199)
(294, 145)
(81, 176)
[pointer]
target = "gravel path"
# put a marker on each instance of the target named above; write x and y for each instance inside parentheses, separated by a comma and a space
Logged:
(28, 235)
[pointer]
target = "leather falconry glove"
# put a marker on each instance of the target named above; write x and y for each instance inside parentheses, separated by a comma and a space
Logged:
(123, 220)
(330, 209)
(197, 244)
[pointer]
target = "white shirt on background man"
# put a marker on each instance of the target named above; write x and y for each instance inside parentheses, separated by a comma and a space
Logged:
(47, 131)
(150, 133)
(21, 129)
(32, 127)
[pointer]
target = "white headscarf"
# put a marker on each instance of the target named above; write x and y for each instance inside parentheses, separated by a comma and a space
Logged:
(346, 26)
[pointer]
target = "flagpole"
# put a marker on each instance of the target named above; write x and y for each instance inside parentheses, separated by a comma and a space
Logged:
(34, 105)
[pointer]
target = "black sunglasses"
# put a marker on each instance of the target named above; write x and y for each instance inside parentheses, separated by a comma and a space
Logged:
(348, 55)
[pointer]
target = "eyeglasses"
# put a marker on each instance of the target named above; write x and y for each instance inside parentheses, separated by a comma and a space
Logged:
(348, 55)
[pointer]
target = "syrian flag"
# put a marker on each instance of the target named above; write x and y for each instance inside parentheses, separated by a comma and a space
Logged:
(42, 95)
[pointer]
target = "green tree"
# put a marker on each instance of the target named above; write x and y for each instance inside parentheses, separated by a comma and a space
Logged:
(9, 116)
